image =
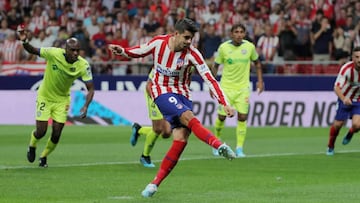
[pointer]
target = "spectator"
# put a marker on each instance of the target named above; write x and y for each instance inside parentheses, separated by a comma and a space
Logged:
(122, 23)
(98, 40)
(14, 19)
(342, 45)
(341, 18)
(82, 35)
(61, 38)
(93, 12)
(303, 28)
(38, 18)
(275, 13)
(287, 36)
(151, 24)
(321, 38)
(119, 69)
(210, 43)
(93, 27)
(42, 40)
(212, 16)
(356, 17)
(137, 66)
(11, 50)
(158, 3)
(267, 47)
(4, 30)
(99, 60)
(81, 10)
(53, 28)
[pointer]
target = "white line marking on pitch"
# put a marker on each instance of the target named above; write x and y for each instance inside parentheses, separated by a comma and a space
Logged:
(2, 167)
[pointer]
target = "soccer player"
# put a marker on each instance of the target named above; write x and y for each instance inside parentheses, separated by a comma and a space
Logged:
(160, 127)
(348, 104)
(236, 56)
(53, 96)
(173, 58)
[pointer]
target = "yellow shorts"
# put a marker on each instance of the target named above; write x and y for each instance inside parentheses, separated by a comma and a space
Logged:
(239, 99)
(153, 110)
(45, 109)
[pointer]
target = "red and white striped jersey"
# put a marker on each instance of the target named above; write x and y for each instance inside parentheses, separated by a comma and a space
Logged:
(171, 69)
(11, 51)
(268, 46)
(348, 80)
(40, 22)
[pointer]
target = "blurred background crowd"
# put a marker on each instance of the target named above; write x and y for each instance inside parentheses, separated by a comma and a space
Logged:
(282, 30)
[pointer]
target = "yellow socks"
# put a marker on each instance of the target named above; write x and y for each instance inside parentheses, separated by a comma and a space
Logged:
(50, 146)
(219, 125)
(150, 140)
(240, 133)
(145, 130)
(33, 139)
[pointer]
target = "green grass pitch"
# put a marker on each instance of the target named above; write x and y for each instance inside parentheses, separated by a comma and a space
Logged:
(97, 164)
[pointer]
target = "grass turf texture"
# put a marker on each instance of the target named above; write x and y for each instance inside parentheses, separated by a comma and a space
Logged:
(97, 164)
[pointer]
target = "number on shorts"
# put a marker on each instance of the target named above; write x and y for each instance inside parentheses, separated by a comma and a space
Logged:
(41, 106)
(173, 100)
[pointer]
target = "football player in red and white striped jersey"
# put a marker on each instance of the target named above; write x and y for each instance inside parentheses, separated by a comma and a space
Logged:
(173, 57)
(347, 88)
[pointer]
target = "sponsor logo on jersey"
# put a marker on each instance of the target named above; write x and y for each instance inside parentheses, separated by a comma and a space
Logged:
(167, 72)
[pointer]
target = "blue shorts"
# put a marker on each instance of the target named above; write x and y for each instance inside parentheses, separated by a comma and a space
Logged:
(172, 106)
(343, 112)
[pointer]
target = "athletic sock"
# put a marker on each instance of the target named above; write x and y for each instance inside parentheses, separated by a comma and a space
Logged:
(144, 130)
(240, 133)
(33, 139)
(150, 140)
(50, 146)
(332, 136)
(203, 134)
(169, 161)
(219, 125)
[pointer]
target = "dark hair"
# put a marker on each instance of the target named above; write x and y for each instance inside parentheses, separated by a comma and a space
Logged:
(186, 25)
(355, 49)
(236, 26)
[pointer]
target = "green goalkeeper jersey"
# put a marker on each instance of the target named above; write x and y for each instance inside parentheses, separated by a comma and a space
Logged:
(59, 75)
(236, 62)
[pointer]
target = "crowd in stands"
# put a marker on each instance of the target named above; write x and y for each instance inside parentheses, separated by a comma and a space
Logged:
(318, 30)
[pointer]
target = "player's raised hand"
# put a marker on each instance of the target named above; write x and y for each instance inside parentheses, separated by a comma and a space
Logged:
(116, 49)
(21, 32)
(229, 111)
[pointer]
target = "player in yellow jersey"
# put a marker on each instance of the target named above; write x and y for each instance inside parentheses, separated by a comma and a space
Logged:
(63, 66)
(236, 56)
(159, 127)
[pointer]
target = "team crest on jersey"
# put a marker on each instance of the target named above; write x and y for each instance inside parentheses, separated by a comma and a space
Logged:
(179, 106)
(179, 62)
(154, 113)
(72, 69)
(244, 51)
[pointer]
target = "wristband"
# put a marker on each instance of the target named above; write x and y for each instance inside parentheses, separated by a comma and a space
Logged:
(26, 41)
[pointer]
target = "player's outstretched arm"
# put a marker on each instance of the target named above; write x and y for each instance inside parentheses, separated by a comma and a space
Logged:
(22, 33)
(116, 49)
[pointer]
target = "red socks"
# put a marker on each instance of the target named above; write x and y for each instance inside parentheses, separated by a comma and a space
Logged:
(169, 161)
(332, 137)
(203, 134)
(177, 147)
